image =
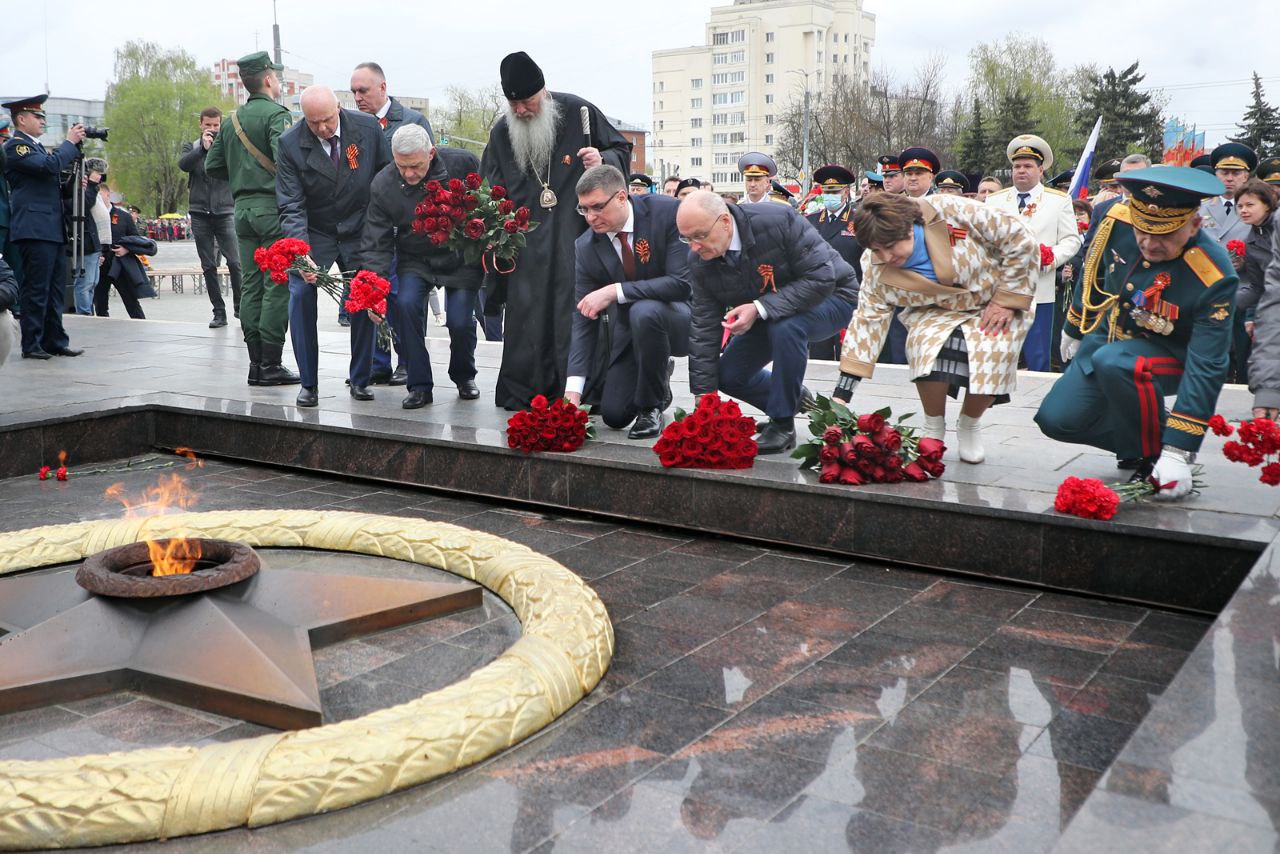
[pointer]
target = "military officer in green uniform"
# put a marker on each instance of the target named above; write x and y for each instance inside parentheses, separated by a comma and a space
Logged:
(1151, 317)
(244, 154)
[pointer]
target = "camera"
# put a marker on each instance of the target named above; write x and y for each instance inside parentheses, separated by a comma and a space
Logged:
(91, 132)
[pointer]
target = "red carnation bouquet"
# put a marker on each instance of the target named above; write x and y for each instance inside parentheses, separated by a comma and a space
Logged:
(1090, 498)
(1046, 255)
(368, 290)
(474, 218)
(716, 435)
(1259, 445)
(1236, 248)
(549, 426)
(857, 449)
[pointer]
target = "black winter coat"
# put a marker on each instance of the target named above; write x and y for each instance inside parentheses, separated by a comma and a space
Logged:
(388, 232)
(784, 263)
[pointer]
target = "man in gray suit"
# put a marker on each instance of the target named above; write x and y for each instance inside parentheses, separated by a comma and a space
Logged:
(1233, 163)
(323, 173)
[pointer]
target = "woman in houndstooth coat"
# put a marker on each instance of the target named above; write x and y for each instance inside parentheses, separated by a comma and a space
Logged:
(965, 276)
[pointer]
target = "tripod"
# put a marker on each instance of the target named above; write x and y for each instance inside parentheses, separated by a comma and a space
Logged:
(77, 218)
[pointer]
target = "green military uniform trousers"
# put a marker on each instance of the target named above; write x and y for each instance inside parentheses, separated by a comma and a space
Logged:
(1117, 404)
(264, 305)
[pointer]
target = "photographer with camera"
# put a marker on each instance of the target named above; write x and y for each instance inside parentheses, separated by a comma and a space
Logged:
(212, 217)
(37, 227)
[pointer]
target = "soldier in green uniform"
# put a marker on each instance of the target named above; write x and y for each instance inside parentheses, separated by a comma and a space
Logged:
(244, 154)
(1151, 317)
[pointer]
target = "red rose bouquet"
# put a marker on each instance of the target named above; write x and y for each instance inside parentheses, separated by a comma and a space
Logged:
(857, 449)
(368, 290)
(1236, 248)
(1258, 446)
(716, 435)
(549, 426)
(475, 219)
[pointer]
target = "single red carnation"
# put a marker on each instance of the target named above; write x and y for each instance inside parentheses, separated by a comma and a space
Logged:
(1236, 247)
(44, 472)
(61, 473)
(1046, 256)
(1271, 474)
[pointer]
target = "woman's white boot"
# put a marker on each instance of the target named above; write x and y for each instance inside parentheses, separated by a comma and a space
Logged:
(969, 432)
(935, 427)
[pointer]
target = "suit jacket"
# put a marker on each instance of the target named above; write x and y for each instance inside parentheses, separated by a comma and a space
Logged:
(837, 229)
(35, 188)
(662, 263)
(784, 263)
(980, 254)
(317, 197)
(1053, 224)
(1221, 225)
(398, 115)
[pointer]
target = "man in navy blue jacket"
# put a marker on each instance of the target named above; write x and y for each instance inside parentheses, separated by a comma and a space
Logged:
(766, 276)
(323, 173)
(631, 270)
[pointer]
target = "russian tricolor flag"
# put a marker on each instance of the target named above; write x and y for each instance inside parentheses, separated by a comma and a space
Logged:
(1084, 168)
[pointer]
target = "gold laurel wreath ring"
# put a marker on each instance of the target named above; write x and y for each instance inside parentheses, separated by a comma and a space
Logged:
(160, 793)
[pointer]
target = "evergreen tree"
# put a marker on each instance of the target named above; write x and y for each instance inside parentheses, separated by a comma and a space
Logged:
(1012, 118)
(1260, 127)
(1131, 119)
(975, 152)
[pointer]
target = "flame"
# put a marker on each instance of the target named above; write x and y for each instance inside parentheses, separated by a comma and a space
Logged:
(176, 556)
(62, 458)
(194, 462)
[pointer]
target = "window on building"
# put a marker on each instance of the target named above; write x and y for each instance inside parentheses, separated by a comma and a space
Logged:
(661, 106)
(768, 78)
(695, 83)
(720, 59)
(695, 161)
(834, 37)
(768, 139)
(720, 119)
(724, 78)
(730, 37)
(695, 122)
(719, 138)
(737, 137)
(695, 142)
(660, 123)
(770, 119)
(835, 57)
(695, 103)
(738, 56)
(719, 98)
(846, 38)
(768, 57)
(768, 37)
(819, 58)
(768, 99)
(738, 118)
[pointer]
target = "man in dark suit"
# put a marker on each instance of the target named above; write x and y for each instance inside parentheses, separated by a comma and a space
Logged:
(632, 269)
(325, 167)
(786, 285)
(36, 225)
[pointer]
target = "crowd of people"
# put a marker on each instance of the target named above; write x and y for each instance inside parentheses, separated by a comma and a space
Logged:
(1132, 292)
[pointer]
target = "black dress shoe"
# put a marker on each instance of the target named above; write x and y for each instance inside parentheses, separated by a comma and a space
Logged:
(66, 351)
(648, 424)
(277, 374)
(37, 354)
(468, 390)
(1128, 463)
(359, 392)
(255, 373)
(344, 321)
(308, 397)
(400, 376)
(775, 438)
(219, 320)
(416, 399)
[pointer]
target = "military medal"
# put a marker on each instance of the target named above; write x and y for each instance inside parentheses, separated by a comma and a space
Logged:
(1151, 311)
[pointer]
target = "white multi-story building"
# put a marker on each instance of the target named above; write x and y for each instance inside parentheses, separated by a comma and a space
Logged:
(226, 76)
(714, 102)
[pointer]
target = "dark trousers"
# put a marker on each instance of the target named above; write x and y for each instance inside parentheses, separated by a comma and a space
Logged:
(1035, 349)
(302, 320)
(44, 269)
(785, 342)
(637, 377)
(409, 322)
(102, 294)
(894, 351)
(490, 323)
(217, 233)
(1118, 403)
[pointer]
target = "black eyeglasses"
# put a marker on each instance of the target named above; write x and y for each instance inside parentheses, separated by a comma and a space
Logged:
(596, 209)
(687, 239)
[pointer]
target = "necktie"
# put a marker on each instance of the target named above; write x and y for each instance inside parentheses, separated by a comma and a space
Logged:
(628, 259)
(333, 149)
(1228, 206)
(1022, 201)
(383, 121)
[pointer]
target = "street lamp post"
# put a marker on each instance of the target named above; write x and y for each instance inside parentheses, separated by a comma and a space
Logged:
(804, 148)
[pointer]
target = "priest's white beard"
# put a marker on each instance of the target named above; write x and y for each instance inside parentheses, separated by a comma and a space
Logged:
(533, 140)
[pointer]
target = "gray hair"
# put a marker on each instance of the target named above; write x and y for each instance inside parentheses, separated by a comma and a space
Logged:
(95, 164)
(602, 177)
(410, 139)
(1136, 160)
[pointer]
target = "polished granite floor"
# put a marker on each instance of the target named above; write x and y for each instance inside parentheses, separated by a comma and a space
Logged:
(759, 700)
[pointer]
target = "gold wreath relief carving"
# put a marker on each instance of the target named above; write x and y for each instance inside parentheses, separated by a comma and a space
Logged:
(565, 648)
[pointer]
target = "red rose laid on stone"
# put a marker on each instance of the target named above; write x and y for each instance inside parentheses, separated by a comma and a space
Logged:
(549, 426)
(855, 449)
(716, 435)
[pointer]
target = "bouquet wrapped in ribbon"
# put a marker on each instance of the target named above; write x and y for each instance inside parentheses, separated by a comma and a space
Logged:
(475, 219)
(549, 426)
(716, 435)
(368, 290)
(856, 449)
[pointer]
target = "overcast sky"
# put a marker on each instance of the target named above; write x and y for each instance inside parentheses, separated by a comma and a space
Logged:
(588, 49)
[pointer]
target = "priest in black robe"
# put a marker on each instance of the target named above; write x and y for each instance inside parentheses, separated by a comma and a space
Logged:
(538, 151)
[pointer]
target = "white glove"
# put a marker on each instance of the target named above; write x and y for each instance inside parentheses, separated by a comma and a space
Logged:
(1173, 472)
(1068, 347)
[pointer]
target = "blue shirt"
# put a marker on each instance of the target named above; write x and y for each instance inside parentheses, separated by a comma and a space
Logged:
(919, 261)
